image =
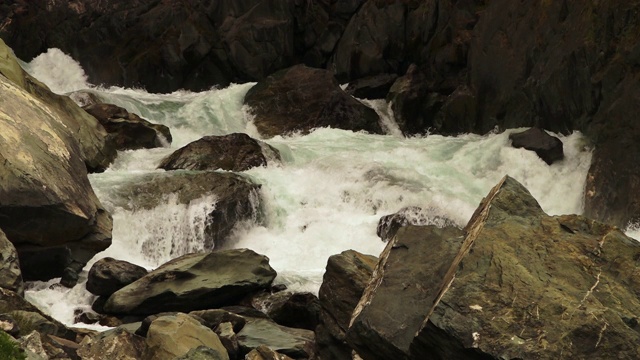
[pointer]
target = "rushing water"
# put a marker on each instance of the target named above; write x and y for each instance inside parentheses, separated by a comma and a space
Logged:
(325, 196)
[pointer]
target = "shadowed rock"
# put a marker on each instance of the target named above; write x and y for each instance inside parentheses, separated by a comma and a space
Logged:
(299, 99)
(109, 275)
(548, 148)
(233, 152)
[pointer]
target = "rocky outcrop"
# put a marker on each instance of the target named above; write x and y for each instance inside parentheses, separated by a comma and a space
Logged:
(173, 336)
(235, 197)
(233, 152)
(343, 284)
(488, 296)
(48, 203)
(109, 275)
(299, 99)
(194, 282)
(547, 147)
(129, 131)
(10, 275)
(117, 343)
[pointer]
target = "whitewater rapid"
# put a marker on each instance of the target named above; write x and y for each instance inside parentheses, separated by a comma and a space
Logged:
(325, 196)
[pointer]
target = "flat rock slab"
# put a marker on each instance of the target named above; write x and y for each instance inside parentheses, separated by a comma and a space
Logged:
(296, 343)
(194, 282)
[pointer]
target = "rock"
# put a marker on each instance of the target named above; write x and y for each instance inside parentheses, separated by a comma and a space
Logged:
(296, 343)
(193, 282)
(458, 113)
(495, 297)
(202, 353)
(414, 107)
(32, 344)
(263, 352)
(214, 317)
(9, 325)
(45, 181)
(343, 283)
(233, 152)
(411, 215)
(109, 275)
(33, 320)
(299, 99)
(371, 87)
(112, 344)
(236, 199)
(10, 275)
(398, 289)
(170, 337)
(548, 148)
(129, 131)
(228, 338)
(296, 310)
(88, 135)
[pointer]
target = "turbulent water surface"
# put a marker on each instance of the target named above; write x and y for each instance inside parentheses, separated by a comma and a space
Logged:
(325, 196)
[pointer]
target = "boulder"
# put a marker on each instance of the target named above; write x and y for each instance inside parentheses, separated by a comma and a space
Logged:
(94, 148)
(10, 275)
(295, 343)
(129, 131)
(236, 199)
(414, 107)
(203, 353)
(48, 202)
(117, 343)
(233, 152)
(194, 282)
(299, 99)
(297, 310)
(521, 284)
(548, 148)
(173, 336)
(411, 215)
(343, 283)
(371, 87)
(263, 352)
(109, 275)
(214, 317)
(9, 325)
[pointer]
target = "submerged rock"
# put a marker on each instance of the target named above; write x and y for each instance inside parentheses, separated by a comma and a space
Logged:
(129, 131)
(411, 215)
(235, 197)
(193, 282)
(522, 284)
(109, 275)
(548, 148)
(233, 152)
(299, 99)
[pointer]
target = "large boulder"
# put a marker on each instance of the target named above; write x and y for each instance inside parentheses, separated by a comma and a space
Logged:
(521, 284)
(547, 147)
(173, 336)
(343, 284)
(10, 275)
(235, 199)
(48, 202)
(109, 275)
(299, 99)
(233, 152)
(193, 282)
(129, 131)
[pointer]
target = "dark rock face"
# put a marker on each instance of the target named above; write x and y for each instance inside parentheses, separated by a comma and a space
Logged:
(109, 275)
(194, 282)
(233, 152)
(299, 99)
(548, 148)
(129, 131)
(546, 286)
(236, 198)
(296, 310)
(372, 87)
(343, 284)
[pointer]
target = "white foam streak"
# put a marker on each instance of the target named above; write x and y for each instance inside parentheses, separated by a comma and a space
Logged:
(58, 71)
